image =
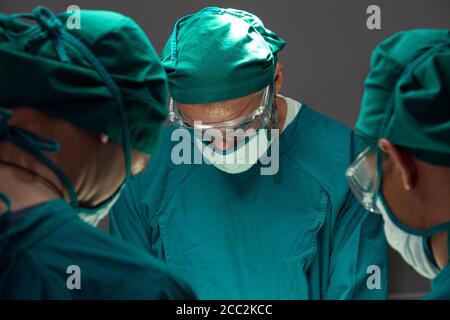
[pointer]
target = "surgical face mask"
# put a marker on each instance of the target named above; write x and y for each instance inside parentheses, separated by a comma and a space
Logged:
(93, 216)
(412, 244)
(240, 159)
(249, 135)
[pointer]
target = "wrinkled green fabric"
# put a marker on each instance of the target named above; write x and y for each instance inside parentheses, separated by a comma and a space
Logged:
(440, 286)
(420, 121)
(219, 54)
(38, 244)
(245, 236)
(33, 75)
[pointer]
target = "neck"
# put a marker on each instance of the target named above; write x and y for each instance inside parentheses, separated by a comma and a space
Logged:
(433, 185)
(422, 209)
(433, 218)
(440, 249)
(282, 111)
(437, 213)
(24, 188)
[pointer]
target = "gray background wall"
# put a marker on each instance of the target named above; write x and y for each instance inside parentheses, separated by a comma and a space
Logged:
(326, 59)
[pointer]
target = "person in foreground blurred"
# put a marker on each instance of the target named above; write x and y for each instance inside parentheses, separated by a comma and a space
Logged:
(81, 112)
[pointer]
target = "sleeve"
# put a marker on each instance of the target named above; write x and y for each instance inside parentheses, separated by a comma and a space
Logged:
(27, 279)
(129, 218)
(151, 279)
(358, 261)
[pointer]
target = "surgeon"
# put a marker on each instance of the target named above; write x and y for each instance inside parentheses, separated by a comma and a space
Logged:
(248, 229)
(81, 112)
(404, 172)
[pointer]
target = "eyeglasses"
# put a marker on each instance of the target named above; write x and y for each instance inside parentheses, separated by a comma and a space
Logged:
(362, 177)
(254, 120)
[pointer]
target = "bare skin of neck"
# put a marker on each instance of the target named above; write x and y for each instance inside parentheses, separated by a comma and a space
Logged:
(418, 194)
(95, 168)
(27, 189)
(282, 111)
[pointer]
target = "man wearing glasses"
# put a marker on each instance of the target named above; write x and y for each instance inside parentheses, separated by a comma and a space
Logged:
(233, 230)
(403, 172)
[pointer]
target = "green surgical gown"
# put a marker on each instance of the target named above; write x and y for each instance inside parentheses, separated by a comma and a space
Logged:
(440, 286)
(300, 235)
(39, 244)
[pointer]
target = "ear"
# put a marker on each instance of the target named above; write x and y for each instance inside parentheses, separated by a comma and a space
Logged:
(403, 161)
(104, 138)
(279, 77)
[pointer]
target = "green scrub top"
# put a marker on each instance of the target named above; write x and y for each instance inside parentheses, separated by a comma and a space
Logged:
(38, 244)
(245, 236)
(440, 286)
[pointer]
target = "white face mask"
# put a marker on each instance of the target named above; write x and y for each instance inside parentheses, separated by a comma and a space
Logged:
(239, 160)
(93, 216)
(410, 246)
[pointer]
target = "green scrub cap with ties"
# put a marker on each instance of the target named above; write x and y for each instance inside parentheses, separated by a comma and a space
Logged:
(407, 95)
(219, 54)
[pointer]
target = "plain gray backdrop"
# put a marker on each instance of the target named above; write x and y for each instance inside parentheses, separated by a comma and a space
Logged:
(326, 59)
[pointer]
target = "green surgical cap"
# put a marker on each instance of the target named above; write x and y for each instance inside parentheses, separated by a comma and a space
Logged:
(219, 54)
(36, 72)
(420, 116)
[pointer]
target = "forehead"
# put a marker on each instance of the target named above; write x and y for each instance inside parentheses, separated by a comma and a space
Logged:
(224, 109)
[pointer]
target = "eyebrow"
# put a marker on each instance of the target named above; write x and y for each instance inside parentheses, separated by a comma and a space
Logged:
(250, 103)
(257, 96)
(246, 106)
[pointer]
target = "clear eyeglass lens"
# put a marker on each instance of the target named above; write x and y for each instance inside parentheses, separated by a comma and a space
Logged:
(362, 179)
(251, 121)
